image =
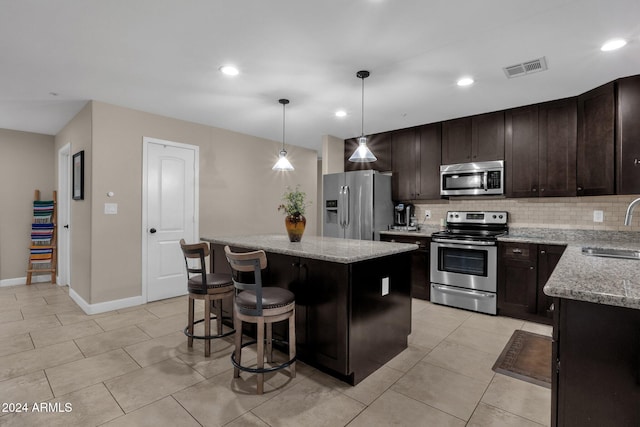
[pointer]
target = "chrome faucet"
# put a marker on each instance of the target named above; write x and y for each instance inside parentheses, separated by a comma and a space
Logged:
(632, 205)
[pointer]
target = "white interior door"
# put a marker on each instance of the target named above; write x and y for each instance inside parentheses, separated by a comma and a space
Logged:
(171, 201)
(64, 216)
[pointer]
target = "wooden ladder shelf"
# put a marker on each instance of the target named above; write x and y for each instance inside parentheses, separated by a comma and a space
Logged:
(42, 252)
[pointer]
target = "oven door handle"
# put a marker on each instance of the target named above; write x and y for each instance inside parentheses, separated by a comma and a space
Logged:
(448, 290)
(464, 242)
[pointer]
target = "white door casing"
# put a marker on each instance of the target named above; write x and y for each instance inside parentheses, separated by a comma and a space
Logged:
(64, 216)
(170, 213)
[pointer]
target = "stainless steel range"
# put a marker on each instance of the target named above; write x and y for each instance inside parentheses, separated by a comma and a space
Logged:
(464, 260)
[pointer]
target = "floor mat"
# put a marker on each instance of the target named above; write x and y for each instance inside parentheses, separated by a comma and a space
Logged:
(527, 356)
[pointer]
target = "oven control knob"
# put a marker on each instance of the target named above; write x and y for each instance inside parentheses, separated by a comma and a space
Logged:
(494, 217)
(500, 216)
(457, 216)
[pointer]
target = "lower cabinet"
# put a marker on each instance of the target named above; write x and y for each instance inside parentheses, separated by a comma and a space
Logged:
(523, 270)
(420, 282)
(596, 378)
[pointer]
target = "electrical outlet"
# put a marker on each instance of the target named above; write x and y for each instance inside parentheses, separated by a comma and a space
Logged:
(427, 214)
(598, 216)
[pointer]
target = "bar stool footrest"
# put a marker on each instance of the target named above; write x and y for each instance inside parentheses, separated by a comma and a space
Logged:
(262, 370)
(205, 337)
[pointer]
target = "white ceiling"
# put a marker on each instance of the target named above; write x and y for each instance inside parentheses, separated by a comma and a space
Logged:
(162, 56)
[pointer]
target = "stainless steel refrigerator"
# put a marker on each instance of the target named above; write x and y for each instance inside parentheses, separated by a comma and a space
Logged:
(357, 205)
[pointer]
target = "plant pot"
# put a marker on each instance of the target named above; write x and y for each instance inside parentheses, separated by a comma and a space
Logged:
(295, 226)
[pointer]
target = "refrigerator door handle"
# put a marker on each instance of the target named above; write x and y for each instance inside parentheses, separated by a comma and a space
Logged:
(347, 213)
(341, 207)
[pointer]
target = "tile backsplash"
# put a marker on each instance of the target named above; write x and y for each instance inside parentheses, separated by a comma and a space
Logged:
(553, 212)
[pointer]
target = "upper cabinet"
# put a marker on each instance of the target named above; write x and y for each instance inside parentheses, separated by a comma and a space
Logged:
(595, 162)
(521, 151)
(416, 163)
(540, 149)
(473, 139)
(628, 136)
(557, 128)
(380, 146)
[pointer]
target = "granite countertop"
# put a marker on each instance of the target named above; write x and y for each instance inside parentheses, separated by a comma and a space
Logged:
(331, 249)
(600, 280)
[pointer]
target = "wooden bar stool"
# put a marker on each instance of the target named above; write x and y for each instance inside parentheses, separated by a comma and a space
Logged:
(211, 287)
(262, 306)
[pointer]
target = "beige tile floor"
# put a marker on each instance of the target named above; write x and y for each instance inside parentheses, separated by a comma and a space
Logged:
(133, 368)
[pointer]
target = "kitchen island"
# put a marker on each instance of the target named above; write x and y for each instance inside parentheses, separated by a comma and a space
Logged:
(353, 297)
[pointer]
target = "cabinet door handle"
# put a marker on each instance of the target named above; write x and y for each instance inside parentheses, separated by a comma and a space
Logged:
(635, 162)
(517, 251)
(534, 190)
(543, 252)
(531, 268)
(542, 189)
(579, 188)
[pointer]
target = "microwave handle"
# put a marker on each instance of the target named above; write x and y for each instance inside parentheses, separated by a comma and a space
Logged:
(485, 180)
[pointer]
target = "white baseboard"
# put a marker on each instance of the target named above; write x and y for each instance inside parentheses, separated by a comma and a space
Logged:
(41, 278)
(103, 307)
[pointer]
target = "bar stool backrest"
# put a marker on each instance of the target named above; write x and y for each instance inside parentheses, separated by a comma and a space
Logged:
(195, 251)
(247, 262)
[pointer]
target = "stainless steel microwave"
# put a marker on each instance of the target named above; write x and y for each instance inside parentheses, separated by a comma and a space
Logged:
(472, 179)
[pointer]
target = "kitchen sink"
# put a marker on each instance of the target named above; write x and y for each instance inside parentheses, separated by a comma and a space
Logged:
(612, 253)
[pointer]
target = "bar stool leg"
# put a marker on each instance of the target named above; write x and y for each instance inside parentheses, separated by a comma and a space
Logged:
(292, 342)
(269, 342)
(207, 326)
(237, 325)
(260, 338)
(190, 323)
(218, 304)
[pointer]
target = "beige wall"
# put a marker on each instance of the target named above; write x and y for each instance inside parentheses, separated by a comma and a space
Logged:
(545, 212)
(239, 193)
(26, 164)
(78, 133)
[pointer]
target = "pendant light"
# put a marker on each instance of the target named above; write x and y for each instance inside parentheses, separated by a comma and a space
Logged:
(362, 153)
(283, 164)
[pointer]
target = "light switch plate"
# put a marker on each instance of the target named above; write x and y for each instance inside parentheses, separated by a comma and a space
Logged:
(427, 214)
(110, 208)
(385, 286)
(598, 216)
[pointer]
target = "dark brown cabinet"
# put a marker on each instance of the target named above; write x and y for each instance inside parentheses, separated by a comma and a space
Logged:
(380, 146)
(628, 136)
(540, 149)
(596, 349)
(521, 151)
(416, 163)
(595, 160)
(406, 165)
(473, 139)
(517, 279)
(557, 123)
(420, 282)
(523, 270)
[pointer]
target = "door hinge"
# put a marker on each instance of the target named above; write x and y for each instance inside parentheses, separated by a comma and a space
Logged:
(557, 366)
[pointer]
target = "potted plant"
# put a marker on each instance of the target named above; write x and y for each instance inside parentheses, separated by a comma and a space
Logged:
(293, 206)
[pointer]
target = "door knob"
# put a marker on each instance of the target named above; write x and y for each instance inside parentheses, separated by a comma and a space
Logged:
(152, 231)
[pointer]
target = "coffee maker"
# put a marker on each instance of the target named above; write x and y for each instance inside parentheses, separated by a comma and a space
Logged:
(402, 215)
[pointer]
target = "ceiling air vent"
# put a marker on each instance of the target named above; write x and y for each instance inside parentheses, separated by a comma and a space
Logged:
(527, 67)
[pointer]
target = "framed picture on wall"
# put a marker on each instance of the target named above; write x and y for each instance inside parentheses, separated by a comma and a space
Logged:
(78, 176)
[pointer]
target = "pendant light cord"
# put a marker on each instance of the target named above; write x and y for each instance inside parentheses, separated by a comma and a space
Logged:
(283, 113)
(362, 126)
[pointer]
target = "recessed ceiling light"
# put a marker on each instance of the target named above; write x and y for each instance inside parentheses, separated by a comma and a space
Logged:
(465, 81)
(613, 45)
(229, 70)
(341, 113)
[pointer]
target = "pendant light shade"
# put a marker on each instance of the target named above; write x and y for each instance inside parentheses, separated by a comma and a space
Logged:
(362, 154)
(283, 163)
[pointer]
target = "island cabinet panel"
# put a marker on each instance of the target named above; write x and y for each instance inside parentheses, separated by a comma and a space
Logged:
(380, 146)
(595, 147)
(548, 258)
(628, 136)
(557, 148)
(521, 152)
(596, 350)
